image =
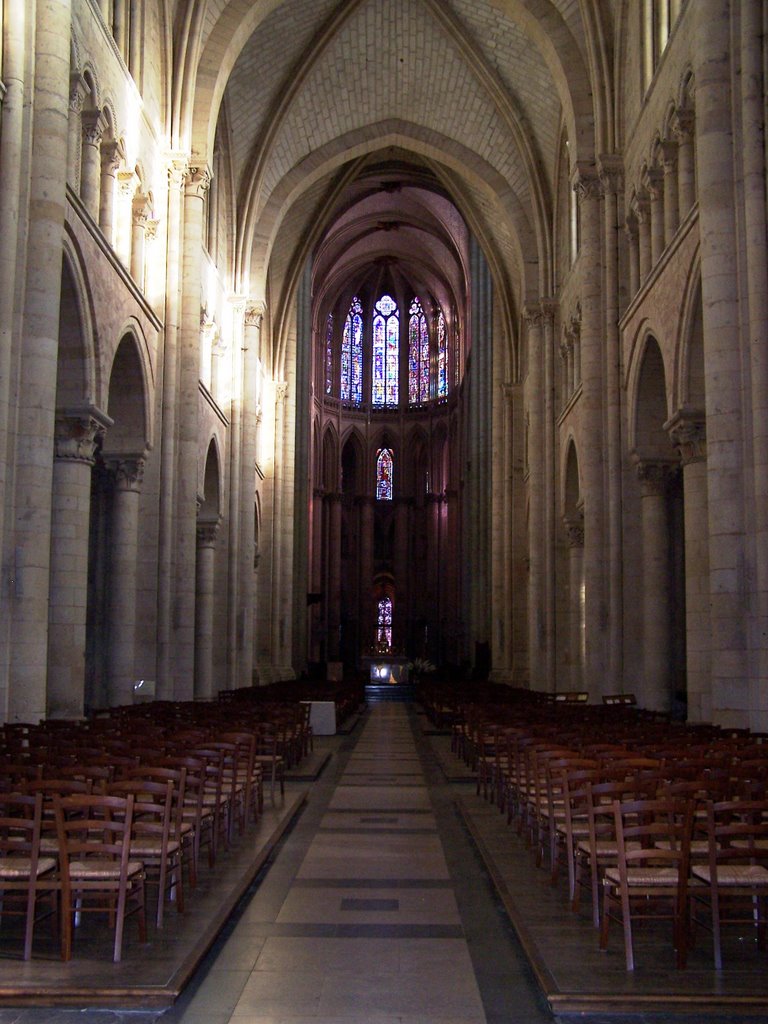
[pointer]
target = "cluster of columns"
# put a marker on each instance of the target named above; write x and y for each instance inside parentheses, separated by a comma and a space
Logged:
(662, 198)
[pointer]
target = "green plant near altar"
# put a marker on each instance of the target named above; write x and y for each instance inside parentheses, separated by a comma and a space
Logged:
(420, 666)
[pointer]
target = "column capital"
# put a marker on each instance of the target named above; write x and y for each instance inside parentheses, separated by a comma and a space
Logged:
(533, 315)
(254, 312)
(151, 228)
(682, 124)
(207, 531)
(586, 182)
(78, 90)
(653, 180)
(94, 124)
(669, 149)
(610, 168)
(78, 432)
(178, 165)
(141, 209)
(281, 391)
(128, 470)
(112, 153)
(574, 530)
(197, 181)
(641, 205)
(687, 430)
(127, 183)
(654, 474)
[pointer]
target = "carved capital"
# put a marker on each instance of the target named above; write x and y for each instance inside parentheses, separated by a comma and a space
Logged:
(669, 150)
(78, 435)
(178, 166)
(141, 210)
(611, 172)
(281, 391)
(682, 125)
(150, 229)
(574, 530)
(653, 179)
(127, 182)
(254, 313)
(533, 316)
(641, 206)
(111, 155)
(78, 90)
(687, 431)
(586, 182)
(128, 470)
(208, 531)
(94, 124)
(654, 475)
(197, 181)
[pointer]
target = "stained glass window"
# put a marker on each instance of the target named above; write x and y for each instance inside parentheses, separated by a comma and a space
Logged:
(384, 466)
(442, 357)
(384, 622)
(386, 352)
(418, 355)
(329, 354)
(352, 355)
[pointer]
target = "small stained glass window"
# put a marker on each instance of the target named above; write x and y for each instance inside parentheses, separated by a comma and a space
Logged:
(384, 623)
(384, 467)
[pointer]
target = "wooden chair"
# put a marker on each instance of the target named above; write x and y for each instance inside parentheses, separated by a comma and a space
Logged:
(27, 878)
(97, 873)
(269, 757)
(735, 875)
(650, 879)
(151, 841)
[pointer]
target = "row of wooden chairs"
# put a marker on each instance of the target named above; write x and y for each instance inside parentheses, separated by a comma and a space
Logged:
(591, 806)
(103, 810)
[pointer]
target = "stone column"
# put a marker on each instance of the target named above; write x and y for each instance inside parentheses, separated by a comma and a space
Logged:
(77, 93)
(534, 400)
(254, 315)
(166, 572)
(612, 182)
(122, 222)
(671, 195)
(548, 309)
(574, 528)
(642, 211)
(317, 613)
(687, 431)
(333, 504)
(402, 573)
(591, 431)
(657, 682)
(365, 505)
(196, 183)
(140, 214)
(94, 124)
(46, 117)
(207, 532)
(683, 128)
(754, 155)
(633, 251)
(111, 156)
(129, 473)
(731, 580)
(76, 437)
(654, 182)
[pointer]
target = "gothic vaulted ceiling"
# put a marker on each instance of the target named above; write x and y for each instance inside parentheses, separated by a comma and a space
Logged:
(475, 93)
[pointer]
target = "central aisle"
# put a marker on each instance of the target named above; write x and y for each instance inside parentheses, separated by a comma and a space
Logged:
(365, 914)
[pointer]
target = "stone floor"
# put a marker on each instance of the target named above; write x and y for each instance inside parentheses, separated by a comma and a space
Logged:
(382, 892)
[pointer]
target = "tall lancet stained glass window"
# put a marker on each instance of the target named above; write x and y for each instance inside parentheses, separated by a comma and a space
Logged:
(351, 389)
(386, 352)
(442, 357)
(384, 468)
(329, 354)
(418, 355)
